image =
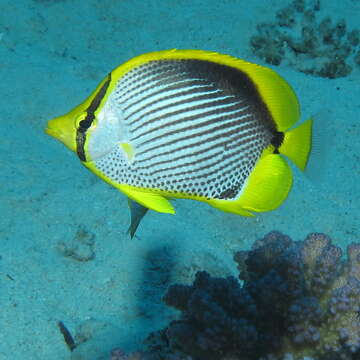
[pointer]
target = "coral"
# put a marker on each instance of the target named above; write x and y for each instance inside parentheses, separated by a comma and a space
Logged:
(298, 300)
(299, 39)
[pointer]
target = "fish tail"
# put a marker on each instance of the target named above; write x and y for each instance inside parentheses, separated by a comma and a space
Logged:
(297, 144)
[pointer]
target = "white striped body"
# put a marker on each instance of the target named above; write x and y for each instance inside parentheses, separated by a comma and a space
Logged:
(196, 128)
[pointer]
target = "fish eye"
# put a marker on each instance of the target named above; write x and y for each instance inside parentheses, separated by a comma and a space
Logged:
(85, 124)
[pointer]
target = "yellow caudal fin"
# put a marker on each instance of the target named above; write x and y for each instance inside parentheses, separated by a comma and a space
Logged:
(297, 144)
(266, 188)
(152, 201)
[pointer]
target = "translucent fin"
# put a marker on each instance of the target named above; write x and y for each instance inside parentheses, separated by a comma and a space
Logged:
(323, 137)
(137, 212)
(152, 201)
(265, 190)
(297, 144)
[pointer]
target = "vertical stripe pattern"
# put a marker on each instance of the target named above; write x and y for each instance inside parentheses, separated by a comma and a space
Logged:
(196, 127)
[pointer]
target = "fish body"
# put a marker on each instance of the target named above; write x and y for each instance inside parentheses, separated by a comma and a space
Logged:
(191, 124)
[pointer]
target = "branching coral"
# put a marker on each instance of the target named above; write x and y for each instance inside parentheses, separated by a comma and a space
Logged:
(313, 46)
(298, 300)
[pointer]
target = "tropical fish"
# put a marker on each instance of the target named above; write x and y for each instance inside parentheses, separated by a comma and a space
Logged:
(190, 124)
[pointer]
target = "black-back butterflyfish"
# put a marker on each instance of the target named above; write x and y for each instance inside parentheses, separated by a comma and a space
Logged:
(190, 124)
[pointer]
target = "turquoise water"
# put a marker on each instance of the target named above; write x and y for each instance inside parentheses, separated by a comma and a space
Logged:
(65, 254)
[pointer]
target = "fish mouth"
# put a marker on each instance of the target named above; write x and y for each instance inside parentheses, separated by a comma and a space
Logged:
(52, 132)
(52, 128)
(61, 128)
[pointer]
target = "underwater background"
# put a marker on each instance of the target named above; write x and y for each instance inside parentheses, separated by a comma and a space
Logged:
(73, 285)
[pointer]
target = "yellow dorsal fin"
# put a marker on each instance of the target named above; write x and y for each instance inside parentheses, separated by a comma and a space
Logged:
(265, 190)
(152, 201)
(297, 144)
(277, 94)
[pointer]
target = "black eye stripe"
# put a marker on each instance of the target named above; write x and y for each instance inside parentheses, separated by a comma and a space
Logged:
(90, 116)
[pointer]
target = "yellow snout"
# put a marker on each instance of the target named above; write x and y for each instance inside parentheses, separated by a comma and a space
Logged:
(63, 129)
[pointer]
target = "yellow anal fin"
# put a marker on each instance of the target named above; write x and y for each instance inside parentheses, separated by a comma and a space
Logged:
(229, 206)
(266, 188)
(297, 144)
(268, 185)
(152, 201)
